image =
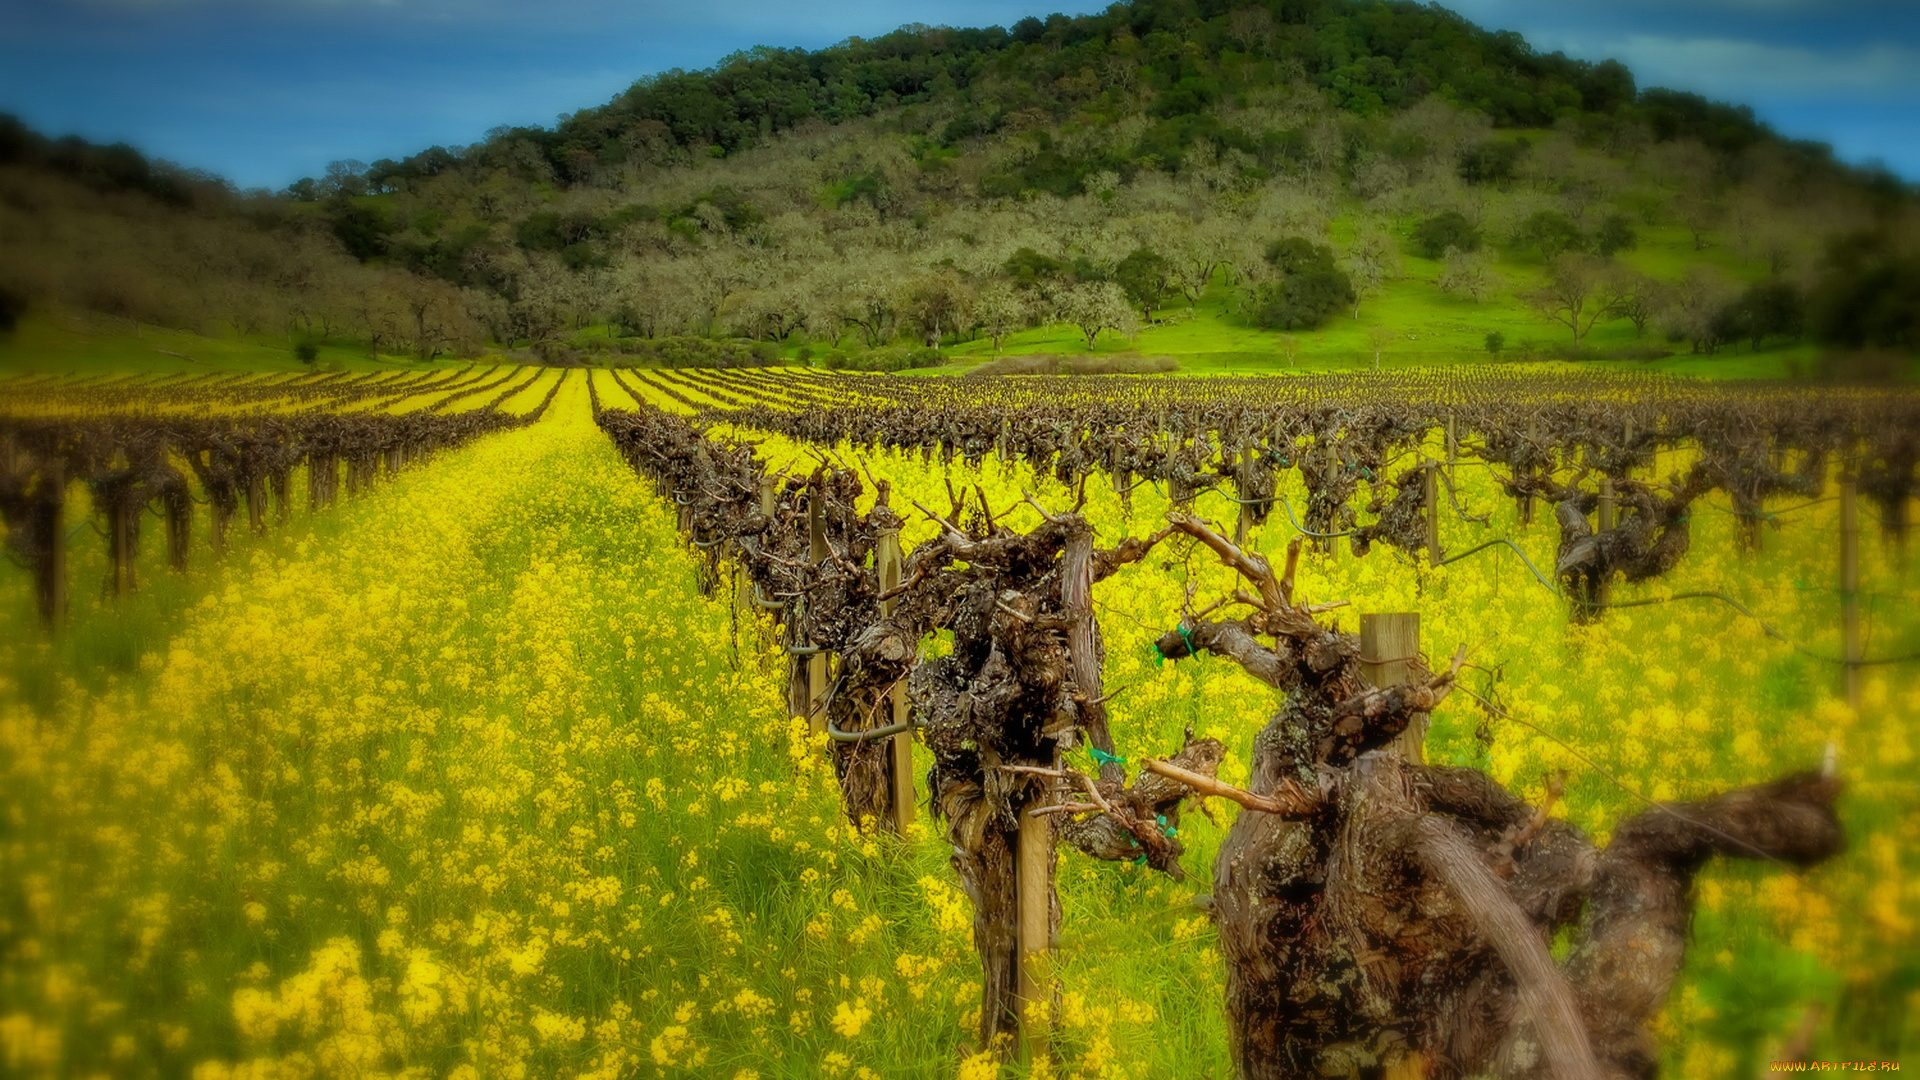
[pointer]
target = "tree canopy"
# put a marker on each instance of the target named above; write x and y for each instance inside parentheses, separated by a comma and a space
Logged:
(1310, 290)
(1371, 56)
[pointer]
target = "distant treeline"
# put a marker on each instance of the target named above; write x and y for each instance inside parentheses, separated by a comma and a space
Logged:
(1371, 57)
(108, 169)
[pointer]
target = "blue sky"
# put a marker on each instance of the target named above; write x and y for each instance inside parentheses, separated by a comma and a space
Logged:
(267, 91)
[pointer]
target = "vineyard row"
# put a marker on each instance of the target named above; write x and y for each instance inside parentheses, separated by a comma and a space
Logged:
(129, 464)
(1368, 903)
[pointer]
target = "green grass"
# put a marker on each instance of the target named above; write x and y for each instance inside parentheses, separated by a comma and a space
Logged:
(438, 722)
(1430, 327)
(88, 344)
(211, 792)
(1673, 700)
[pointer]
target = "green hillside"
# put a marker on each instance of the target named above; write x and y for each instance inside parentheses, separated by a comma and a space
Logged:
(1299, 184)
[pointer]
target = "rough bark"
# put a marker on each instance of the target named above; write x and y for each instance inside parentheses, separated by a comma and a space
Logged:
(1398, 916)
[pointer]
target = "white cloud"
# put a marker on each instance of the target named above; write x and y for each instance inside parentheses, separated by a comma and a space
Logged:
(1767, 5)
(1623, 12)
(1743, 70)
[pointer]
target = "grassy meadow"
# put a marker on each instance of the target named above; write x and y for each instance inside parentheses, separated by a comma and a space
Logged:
(1412, 322)
(1424, 326)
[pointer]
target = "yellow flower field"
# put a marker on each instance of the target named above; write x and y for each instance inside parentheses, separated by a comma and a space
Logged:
(467, 779)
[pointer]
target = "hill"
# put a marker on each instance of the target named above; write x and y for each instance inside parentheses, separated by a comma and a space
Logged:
(1294, 182)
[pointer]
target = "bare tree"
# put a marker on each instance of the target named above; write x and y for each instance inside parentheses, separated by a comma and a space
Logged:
(1002, 310)
(1445, 129)
(1467, 273)
(639, 302)
(1251, 28)
(1377, 176)
(487, 310)
(436, 318)
(1097, 306)
(1638, 298)
(770, 313)
(872, 303)
(1701, 214)
(713, 276)
(1372, 261)
(1200, 250)
(1692, 306)
(382, 324)
(1776, 236)
(939, 303)
(542, 304)
(823, 315)
(1578, 293)
(1326, 146)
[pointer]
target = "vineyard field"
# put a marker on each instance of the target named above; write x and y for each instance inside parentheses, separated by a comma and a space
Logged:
(494, 768)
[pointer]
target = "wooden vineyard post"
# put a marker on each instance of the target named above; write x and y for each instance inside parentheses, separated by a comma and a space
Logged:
(179, 515)
(743, 600)
(257, 503)
(1430, 492)
(1453, 449)
(1179, 492)
(685, 507)
(316, 485)
(1034, 870)
(1526, 501)
(1850, 587)
(1245, 519)
(1387, 643)
(120, 526)
(888, 563)
(817, 553)
(221, 519)
(50, 567)
(742, 596)
(1603, 589)
(1330, 461)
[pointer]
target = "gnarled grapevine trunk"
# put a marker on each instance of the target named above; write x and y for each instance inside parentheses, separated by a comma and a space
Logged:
(1376, 913)
(999, 702)
(1632, 936)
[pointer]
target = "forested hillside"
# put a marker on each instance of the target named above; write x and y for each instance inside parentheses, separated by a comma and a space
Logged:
(1319, 174)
